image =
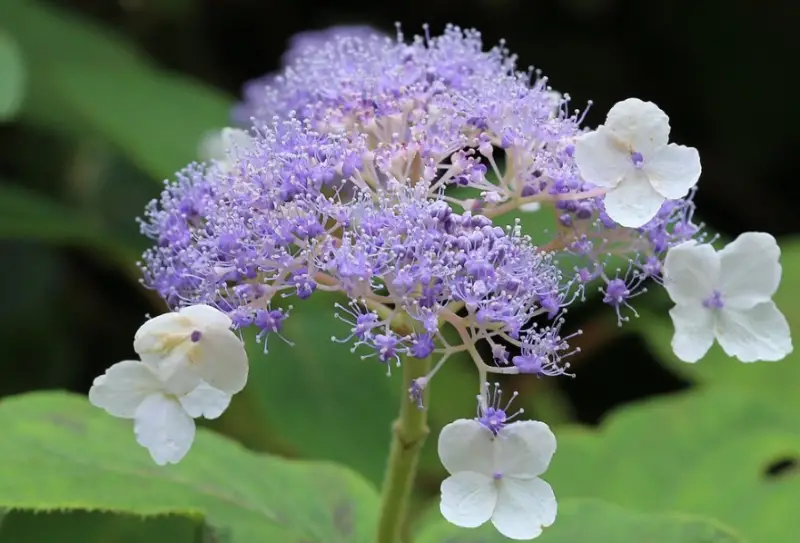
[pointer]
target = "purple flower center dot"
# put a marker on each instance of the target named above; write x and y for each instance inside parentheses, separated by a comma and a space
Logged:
(714, 301)
(196, 335)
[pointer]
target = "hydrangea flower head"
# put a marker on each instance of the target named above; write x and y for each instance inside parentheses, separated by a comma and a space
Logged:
(727, 295)
(375, 168)
(446, 113)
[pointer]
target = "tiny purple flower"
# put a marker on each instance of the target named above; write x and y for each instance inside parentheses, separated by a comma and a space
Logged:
(490, 413)
(714, 301)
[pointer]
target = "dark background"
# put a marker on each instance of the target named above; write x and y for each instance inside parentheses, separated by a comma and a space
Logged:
(723, 71)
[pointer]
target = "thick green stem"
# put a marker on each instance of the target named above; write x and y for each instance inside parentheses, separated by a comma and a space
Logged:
(408, 435)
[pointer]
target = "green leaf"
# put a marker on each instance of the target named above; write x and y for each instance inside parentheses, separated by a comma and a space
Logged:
(323, 400)
(38, 26)
(58, 451)
(98, 527)
(84, 77)
(705, 453)
(50, 37)
(155, 118)
(326, 402)
(595, 522)
(774, 381)
(28, 216)
(12, 77)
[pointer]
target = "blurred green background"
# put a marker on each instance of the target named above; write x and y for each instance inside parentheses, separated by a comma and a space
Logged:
(100, 101)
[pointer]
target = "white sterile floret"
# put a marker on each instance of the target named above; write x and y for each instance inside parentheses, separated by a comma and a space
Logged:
(727, 295)
(197, 342)
(162, 409)
(226, 146)
(630, 157)
(496, 477)
(531, 207)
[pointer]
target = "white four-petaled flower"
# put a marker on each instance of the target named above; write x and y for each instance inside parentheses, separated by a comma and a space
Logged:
(727, 295)
(630, 157)
(163, 411)
(496, 477)
(196, 341)
(191, 364)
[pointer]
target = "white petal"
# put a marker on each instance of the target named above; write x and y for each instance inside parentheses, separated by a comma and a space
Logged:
(219, 359)
(600, 158)
(203, 316)
(555, 98)
(468, 499)
(123, 387)
(205, 401)
(162, 334)
(236, 141)
(694, 331)
(212, 146)
(759, 333)
(177, 371)
(634, 202)
(524, 507)
(673, 170)
(641, 125)
(691, 272)
(531, 207)
(750, 270)
(466, 445)
(524, 449)
(164, 428)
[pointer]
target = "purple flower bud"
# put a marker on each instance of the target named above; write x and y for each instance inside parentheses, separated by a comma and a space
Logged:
(616, 292)
(269, 320)
(422, 346)
(386, 346)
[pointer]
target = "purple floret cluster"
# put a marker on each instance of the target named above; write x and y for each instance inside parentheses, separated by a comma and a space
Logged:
(376, 168)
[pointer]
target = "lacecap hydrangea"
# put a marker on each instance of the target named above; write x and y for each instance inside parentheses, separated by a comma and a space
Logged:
(378, 167)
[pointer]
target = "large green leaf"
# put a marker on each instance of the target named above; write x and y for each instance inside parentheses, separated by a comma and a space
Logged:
(774, 381)
(85, 77)
(99, 527)
(40, 25)
(58, 451)
(323, 400)
(50, 37)
(595, 522)
(12, 77)
(156, 119)
(706, 453)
